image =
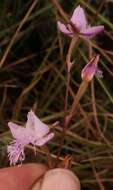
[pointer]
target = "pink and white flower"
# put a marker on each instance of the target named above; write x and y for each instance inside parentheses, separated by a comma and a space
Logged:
(78, 24)
(35, 132)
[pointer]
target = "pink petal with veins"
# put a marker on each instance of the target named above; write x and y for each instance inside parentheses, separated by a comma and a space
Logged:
(33, 122)
(92, 31)
(64, 29)
(43, 140)
(79, 19)
(17, 131)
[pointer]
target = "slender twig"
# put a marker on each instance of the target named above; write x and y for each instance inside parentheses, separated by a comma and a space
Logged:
(52, 155)
(65, 115)
(97, 121)
(94, 103)
(50, 162)
(97, 176)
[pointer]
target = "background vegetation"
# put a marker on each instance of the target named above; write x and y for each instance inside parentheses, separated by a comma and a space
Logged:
(33, 75)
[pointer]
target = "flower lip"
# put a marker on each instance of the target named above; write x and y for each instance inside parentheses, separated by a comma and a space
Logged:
(16, 152)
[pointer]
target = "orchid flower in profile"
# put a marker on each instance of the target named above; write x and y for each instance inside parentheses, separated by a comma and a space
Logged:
(35, 132)
(78, 25)
(91, 69)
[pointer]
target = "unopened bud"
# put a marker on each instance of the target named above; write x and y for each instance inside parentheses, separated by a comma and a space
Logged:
(90, 69)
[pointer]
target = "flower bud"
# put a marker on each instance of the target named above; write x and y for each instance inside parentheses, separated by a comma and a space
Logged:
(90, 69)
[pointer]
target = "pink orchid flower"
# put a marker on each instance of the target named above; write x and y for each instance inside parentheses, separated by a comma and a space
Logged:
(91, 69)
(78, 24)
(35, 133)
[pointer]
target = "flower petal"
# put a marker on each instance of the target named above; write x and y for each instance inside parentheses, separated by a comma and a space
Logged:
(63, 29)
(17, 131)
(42, 141)
(92, 31)
(79, 19)
(40, 129)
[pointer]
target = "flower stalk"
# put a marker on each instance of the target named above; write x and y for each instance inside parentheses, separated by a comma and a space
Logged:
(69, 64)
(78, 96)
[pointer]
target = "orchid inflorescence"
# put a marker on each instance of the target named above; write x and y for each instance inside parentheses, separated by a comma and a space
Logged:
(35, 131)
(78, 25)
